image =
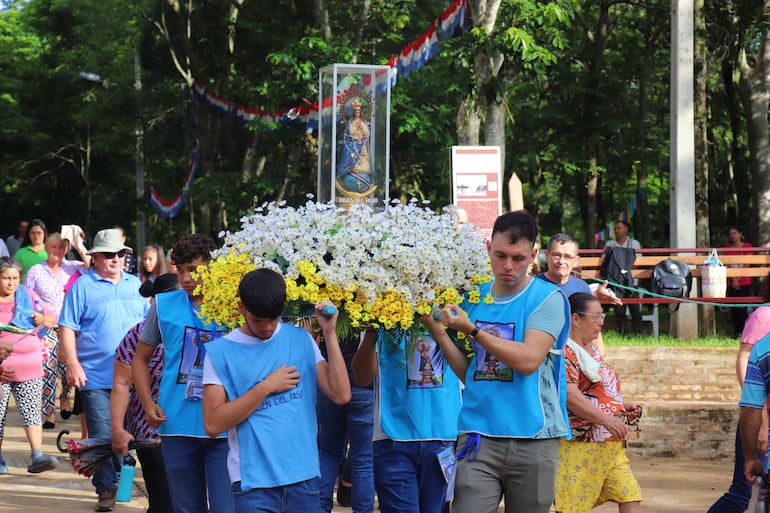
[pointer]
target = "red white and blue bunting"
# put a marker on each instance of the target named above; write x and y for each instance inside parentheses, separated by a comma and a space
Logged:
(413, 57)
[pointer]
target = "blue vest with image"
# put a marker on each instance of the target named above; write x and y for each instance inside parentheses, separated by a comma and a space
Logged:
(502, 402)
(419, 394)
(175, 320)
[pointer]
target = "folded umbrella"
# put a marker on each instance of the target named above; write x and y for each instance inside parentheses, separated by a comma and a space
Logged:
(86, 456)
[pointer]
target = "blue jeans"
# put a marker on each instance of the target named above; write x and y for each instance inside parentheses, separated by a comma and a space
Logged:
(355, 420)
(737, 497)
(196, 469)
(408, 477)
(96, 406)
(294, 498)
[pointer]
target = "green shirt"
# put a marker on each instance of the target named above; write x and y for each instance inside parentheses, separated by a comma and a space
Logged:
(27, 258)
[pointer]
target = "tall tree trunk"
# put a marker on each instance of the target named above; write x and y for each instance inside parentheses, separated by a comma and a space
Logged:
(755, 92)
(475, 108)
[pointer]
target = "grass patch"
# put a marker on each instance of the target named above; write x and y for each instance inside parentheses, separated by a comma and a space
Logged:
(614, 339)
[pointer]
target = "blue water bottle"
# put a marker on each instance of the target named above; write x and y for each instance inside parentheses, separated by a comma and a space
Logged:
(126, 484)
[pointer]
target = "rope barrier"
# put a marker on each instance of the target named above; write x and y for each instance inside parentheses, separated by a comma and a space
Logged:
(671, 299)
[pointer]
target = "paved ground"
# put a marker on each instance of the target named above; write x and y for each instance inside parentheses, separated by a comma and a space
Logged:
(669, 485)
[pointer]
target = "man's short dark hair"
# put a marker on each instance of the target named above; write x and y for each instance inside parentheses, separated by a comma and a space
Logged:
(263, 293)
(190, 247)
(562, 238)
(516, 225)
(625, 223)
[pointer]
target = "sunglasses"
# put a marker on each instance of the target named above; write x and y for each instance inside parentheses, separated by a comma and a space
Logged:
(120, 254)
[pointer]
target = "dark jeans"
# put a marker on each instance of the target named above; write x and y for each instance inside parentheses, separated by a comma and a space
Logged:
(154, 474)
(739, 314)
(408, 476)
(96, 406)
(294, 498)
(737, 497)
(636, 316)
(336, 426)
(196, 470)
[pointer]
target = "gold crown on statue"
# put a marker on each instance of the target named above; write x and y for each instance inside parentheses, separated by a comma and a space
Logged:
(356, 104)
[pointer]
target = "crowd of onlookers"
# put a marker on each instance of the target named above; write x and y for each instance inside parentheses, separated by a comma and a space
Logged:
(504, 397)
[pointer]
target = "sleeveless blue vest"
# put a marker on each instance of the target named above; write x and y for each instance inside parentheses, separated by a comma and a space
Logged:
(499, 401)
(419, 393)
(183, 417)
(278, 442)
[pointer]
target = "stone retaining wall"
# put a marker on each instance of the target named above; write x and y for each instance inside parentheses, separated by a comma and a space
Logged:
(689, 395)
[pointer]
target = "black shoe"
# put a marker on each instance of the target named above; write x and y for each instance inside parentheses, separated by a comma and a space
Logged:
(49, 425)
(65, 414)
(343, 495)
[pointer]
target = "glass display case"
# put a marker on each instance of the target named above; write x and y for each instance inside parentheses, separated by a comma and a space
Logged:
(354, 134)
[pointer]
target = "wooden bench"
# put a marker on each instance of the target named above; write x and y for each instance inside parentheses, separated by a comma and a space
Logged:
(756, 265)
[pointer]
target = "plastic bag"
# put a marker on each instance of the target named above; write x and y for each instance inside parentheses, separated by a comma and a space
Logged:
(713, 277)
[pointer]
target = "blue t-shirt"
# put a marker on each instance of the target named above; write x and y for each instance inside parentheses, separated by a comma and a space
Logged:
(573, 285)
(755, 386)
(101, 313)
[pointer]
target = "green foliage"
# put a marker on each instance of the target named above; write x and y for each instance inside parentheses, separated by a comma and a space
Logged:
(578, 105)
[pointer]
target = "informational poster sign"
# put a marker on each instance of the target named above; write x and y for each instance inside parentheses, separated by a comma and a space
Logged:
(476, 184)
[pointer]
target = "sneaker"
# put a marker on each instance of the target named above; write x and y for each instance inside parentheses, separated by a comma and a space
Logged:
(42, 464)
(343, 494)
(106, 500)
(3, 469)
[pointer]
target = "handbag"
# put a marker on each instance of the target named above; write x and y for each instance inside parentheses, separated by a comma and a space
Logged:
(713, 277)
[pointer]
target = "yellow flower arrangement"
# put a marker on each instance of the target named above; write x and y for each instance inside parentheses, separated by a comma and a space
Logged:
(381, 269)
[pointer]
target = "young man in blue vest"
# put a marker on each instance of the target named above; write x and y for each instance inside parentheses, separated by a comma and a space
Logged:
(415, 417)
(260, 384)
(514, 409)
(196, 466)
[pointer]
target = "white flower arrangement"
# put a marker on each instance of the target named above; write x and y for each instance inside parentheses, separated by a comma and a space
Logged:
(379, 268)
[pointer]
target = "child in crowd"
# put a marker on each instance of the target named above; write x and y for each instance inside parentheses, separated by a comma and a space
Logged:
(153, 263)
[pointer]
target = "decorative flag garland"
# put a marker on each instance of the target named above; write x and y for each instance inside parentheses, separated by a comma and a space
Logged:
(626, 215)
(413, 57)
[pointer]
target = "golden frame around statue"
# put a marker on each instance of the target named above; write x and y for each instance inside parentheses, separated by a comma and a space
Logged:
(354, 135)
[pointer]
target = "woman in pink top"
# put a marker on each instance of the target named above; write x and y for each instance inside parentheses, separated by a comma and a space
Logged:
(738, 287)
(48, 279)
(22, 308)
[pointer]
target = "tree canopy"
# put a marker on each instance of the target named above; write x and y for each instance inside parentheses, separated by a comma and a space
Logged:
(576, 93)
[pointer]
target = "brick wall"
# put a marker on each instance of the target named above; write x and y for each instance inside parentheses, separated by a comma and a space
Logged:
(676, 373)
(689, 396)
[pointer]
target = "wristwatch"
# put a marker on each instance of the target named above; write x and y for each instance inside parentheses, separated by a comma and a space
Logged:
(475, 332)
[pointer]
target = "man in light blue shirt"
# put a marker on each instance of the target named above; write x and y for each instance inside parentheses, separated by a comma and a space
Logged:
(756, 385)
(98, 311)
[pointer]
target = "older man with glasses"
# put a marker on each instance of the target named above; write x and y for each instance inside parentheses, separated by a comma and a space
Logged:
(98, 311)
(561, 255)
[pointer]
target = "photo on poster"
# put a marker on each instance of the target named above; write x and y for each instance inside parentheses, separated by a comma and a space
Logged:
(425, 368)
(193, 350)
(488, 367)
(471, 185)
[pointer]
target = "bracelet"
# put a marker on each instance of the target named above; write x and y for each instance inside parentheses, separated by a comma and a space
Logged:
(475, 332)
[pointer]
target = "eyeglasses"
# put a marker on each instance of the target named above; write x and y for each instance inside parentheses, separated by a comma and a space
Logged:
(595, 316)
(559, 256)
(119, 254)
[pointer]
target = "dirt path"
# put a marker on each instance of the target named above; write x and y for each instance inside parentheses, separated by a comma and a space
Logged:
(669, 485)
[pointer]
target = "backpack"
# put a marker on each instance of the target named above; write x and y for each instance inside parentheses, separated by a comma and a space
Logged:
(616, 268)
(671, 278)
